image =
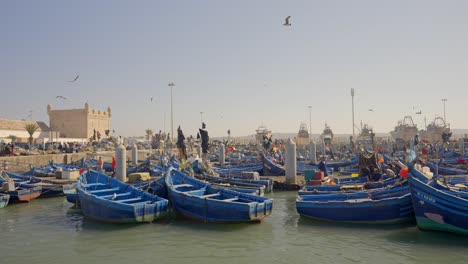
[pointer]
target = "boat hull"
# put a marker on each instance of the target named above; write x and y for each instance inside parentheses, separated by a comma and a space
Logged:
(200, 202)
(4, 199)
(438, 210)
(107, 199)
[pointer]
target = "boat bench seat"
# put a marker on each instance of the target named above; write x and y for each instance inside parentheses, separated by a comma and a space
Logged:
(209, 195)
(118, 195)
(192, 191)
(94, 184)
(104, 190)
(129, 200)
(231, 199)
(182, 185)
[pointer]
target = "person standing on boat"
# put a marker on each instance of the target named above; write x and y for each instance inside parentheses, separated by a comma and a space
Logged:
(100, 165)
(204, 142)
(181, 144)
(322, 166)
(113, 165)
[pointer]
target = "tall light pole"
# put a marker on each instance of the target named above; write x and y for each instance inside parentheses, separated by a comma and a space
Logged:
(172, 84)
(310, 123)
(444, 100)
(352, 103)
(201, 117)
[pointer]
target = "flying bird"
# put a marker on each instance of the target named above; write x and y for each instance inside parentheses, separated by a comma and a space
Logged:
(151, 98)
(60, 97)
(114, 196)
(76, 78)
(419, 112)
(286, 21)
(371, 110)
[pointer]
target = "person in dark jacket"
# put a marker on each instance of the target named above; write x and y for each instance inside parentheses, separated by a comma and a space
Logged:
(181, 144)
(322, 166)
(204, 141)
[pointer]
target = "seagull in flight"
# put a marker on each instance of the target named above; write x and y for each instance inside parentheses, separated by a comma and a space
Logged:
(419, 112)
(286, 21)
(76, 78)
(60, 97)
(371, 110)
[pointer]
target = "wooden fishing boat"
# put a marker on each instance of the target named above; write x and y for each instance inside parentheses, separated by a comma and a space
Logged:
(4, 198)
(198, 200)
(271, 168)
(360, 184)
(23, 192)
(438, 207)
(445, 170)
(382, 206)
(49, 189)
(107, 199)
(19, 192)
(155, 187)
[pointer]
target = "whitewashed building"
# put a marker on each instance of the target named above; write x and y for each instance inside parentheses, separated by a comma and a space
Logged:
(12, 127)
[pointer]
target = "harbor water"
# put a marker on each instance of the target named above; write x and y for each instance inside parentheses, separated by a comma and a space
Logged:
(49, 231)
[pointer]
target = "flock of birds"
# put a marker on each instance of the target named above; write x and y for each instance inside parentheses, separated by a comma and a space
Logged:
(63, 97)
(286, 23)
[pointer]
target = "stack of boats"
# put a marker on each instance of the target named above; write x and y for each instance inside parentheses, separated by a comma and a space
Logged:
(437, 202)
(351, 200)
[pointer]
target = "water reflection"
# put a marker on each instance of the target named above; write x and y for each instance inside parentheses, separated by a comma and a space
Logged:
(283, 237)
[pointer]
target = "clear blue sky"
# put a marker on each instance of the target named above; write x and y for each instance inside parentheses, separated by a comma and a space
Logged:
(236, 62)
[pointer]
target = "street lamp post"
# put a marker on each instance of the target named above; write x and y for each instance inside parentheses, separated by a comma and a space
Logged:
(172, 84)
(310, 123)
(352, 103)
(444, 100)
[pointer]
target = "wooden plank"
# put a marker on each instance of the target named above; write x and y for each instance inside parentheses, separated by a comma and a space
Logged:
(94, 184)
(104, 190)
(182, 185)
(118, 195)
(231, 199)
(210, 195)
(129, 200)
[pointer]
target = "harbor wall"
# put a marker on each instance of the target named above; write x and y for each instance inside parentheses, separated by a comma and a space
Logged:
(22, 163)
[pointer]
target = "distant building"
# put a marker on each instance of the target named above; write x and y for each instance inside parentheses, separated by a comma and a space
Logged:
(327, 135)
(12, 127)
(79, 123)
(303, 135)
(262, 132)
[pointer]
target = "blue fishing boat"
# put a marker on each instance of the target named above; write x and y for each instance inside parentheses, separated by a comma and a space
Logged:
(360, 184)
(155, 187)
(22, 192)
(381, 206)
(230, 169)
(446, 170)
(4, 198)
(436, 206)
(71, 194)
(271, 168)
(49, 189)
(107, 199)
(198, 200)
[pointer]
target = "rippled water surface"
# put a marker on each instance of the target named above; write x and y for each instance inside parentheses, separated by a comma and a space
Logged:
(49, 231)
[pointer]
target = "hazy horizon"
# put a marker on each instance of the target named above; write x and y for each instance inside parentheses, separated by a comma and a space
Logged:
(237, 63)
